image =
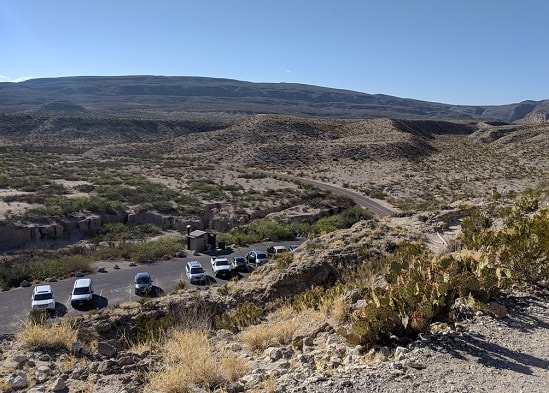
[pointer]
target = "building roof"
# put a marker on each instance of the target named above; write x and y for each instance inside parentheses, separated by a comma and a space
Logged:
(197, 233)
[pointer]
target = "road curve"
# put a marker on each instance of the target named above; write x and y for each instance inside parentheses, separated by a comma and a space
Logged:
(360, 199)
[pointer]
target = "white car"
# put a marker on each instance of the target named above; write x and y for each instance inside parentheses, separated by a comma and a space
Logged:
(221, 266)
(42, 297)
(82, 292)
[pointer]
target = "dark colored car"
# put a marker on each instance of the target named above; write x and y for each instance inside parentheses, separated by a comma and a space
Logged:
(143, 283)
(239, 263)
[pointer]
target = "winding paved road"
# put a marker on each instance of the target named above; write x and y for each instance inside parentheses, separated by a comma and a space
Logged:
(360, 199)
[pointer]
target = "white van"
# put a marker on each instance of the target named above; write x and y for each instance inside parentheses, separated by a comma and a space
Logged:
(82, 292)
(276, 250)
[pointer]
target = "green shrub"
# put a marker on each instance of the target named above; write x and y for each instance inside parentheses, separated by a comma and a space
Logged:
(245, 314)
(521, 244)
(345, 219)
(61, 266)
(44, 264)
(142, 252)
(421, 290)
(12, 273)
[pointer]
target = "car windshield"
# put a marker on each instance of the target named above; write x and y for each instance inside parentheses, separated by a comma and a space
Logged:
(81, 290)
(142, 280)
(261, 255)
(197, 270)
(222, 262)
(239, 259)
(43, 296)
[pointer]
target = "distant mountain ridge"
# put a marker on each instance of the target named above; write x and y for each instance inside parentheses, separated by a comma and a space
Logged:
(178, 97)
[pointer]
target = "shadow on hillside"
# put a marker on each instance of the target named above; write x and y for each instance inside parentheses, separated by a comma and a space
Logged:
(493, 355)
(522, 319)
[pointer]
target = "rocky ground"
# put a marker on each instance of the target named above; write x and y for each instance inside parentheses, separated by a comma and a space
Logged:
(486, 353)
(503, 349)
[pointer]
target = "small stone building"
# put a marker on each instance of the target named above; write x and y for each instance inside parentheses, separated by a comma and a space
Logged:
(198, 240)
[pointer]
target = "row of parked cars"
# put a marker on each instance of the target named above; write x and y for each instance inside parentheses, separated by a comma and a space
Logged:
(82, 291)
(81, 294)
(221, 266)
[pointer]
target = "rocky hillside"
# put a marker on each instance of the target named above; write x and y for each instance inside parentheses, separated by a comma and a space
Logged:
(188, 97)
(273, 334)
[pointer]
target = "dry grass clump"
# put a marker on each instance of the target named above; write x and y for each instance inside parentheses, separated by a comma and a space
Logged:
(190, 361)
(337, 308)
(279, 328)
(48, 336)
(262, 336)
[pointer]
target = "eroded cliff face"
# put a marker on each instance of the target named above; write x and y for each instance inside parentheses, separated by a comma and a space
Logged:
(63, 232)
(537, 117)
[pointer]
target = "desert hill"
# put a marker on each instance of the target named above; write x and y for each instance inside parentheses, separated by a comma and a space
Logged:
(187, 97)
(436, 162)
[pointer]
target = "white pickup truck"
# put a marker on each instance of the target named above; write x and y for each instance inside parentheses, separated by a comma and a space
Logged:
(221, 266)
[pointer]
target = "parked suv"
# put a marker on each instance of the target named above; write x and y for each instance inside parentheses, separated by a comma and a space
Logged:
(42, 297)
(143, 283)
(82, 292)
(221, 266)
(195, 272)
(256, 257)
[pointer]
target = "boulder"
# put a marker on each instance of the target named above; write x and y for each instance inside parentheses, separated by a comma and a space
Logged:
(106, 349)
(497, 310)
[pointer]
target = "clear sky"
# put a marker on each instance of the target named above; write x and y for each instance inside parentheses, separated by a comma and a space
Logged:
(475, 52)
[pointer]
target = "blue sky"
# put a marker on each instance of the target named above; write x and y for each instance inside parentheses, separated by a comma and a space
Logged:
(481, 52)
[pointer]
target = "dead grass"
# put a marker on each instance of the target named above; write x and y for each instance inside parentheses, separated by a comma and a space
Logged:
(191, 360)
(279, 328)
(44, 335)
(337, 309)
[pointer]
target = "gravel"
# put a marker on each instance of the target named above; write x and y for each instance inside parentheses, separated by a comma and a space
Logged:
(483, 354)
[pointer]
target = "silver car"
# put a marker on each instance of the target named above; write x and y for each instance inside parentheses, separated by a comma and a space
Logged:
(195, 272)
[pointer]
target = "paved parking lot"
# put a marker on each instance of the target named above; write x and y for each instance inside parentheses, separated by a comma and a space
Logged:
(116, 285)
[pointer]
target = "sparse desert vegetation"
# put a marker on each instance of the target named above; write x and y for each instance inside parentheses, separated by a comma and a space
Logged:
(356, 290)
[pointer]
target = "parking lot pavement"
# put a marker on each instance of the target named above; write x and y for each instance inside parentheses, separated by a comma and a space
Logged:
(116, 286)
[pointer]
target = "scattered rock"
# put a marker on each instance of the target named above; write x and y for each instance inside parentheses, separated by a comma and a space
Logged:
(59, 384)
(25, 284)
(101, 269)
(106, 349)
(16, 381)
(273, 353)
(498, 310)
